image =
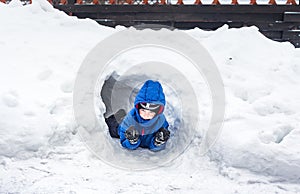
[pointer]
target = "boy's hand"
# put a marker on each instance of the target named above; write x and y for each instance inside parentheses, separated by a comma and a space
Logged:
(161, 136)
(132, 135)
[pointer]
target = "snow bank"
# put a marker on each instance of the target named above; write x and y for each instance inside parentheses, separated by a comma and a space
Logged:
(261, 131)
(41, 49)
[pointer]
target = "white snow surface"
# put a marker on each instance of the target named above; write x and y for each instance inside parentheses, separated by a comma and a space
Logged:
(41, 152)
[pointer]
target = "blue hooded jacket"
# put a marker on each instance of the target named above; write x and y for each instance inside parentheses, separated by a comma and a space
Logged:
(151, 92)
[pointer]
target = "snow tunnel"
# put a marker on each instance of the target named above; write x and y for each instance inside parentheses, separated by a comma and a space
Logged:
(111, 76)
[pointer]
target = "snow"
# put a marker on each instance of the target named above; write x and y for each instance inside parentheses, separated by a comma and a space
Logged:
(263, 105)
(40, 147)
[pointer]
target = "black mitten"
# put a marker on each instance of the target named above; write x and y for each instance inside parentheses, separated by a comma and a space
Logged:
(161, 136)
(132, 135)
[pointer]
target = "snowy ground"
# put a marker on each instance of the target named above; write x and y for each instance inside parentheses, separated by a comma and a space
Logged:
(41, 152)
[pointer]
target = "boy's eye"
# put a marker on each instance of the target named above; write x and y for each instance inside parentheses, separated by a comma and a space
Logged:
(147, 111)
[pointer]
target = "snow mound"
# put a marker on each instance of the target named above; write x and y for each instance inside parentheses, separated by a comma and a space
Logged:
(38, 68)
(261, 78)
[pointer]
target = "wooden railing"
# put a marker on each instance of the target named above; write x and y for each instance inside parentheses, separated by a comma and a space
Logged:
(156, 2)
(277, 22)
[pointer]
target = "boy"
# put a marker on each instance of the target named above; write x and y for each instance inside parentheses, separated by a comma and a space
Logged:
(145, 125)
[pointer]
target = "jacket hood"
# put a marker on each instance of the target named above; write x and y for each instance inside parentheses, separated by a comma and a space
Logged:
(151, 92)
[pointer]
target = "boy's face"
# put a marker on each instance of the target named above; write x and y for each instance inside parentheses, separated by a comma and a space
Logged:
(146, 114)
